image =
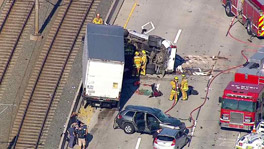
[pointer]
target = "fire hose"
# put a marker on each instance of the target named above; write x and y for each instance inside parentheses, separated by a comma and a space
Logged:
(213, 77)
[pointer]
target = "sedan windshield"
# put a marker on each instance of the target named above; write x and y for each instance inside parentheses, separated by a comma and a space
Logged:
(161, 116)
(238, 105)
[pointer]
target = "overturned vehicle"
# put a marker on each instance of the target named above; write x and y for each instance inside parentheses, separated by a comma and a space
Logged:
(160, 52)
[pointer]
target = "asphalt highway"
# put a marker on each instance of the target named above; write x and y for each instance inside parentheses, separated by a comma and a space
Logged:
(199, 29)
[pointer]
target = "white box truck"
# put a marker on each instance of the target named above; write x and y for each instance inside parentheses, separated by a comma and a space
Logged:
(103, 65)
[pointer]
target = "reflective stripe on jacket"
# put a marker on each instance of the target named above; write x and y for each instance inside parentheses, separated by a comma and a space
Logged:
(137, 61)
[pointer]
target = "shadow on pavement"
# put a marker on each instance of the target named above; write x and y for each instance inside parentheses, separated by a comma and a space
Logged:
(128, 89)
(11, 143)
(179, 61)
(191, 91)
(88, 139)
(56, 6)
(235, 130)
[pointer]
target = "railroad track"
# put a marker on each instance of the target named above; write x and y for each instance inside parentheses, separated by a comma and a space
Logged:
(14, 26)
(46, 83)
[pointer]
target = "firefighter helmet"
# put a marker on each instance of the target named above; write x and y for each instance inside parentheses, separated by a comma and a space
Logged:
(183, 75)
(136, 53)
(176, 78)
(143, 51)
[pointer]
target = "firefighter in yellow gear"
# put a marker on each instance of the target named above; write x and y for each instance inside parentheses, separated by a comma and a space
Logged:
(143, 63)
(137, 63)
(184, 87)
(98, 19)
(175, 89)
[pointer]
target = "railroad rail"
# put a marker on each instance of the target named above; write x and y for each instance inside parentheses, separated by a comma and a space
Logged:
(45, 86)
(15, 18)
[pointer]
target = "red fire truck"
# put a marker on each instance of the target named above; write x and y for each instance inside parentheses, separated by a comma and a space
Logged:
(242, 101)
(242, 105)
(249, 13)
(253, 70)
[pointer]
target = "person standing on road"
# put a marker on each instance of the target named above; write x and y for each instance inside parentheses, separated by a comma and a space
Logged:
(184, 87)
(143, 63)
(98, 19)
(137, 63)
(82, 135)
(175, 89)
(71, 136)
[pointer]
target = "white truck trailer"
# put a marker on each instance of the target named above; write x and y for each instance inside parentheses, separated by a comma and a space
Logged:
(103, 65)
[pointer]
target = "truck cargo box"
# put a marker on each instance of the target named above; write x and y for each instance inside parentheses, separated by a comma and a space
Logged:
(103, 64)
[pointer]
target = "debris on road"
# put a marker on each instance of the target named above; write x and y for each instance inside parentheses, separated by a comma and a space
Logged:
(198, 65)
(196, 71)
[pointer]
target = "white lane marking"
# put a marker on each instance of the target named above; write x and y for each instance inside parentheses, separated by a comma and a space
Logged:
(138, 143)
(238, 136)
(177, 36)
(227, 141)
(2, 104)
(152, 27)
(3, 110)
(194, 127)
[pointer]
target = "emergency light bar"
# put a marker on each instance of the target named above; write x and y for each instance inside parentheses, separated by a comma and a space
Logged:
(239, 96)
(243, 87)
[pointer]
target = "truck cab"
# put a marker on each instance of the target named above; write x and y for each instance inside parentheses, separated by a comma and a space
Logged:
(241, 105)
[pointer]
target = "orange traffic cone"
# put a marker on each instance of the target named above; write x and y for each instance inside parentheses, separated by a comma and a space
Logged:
(254, 129)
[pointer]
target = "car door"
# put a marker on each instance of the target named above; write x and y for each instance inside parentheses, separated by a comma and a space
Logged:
(139, 120)
(153, 123)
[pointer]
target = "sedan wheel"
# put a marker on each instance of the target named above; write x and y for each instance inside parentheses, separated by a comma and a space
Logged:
(129, 128)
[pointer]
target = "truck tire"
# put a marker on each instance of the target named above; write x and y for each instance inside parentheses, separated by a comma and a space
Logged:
(129, 128)
(249, 27)
(228, 9)
(150, 69)
(154, 41)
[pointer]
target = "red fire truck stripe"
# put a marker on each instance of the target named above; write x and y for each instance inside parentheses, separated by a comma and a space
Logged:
(261, 19)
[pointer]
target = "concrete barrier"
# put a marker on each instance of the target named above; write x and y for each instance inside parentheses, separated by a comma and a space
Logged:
(113, 11)
(74, 108)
